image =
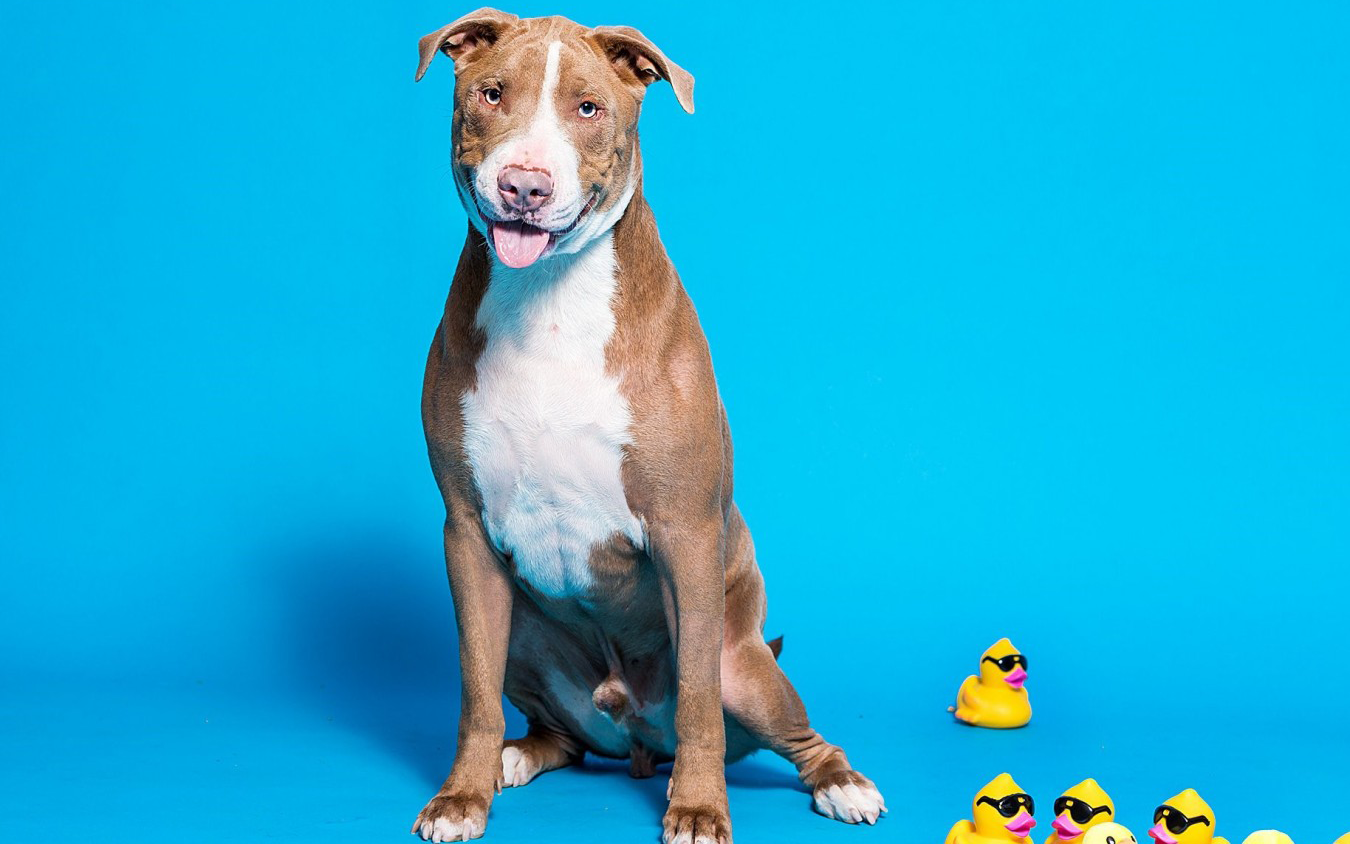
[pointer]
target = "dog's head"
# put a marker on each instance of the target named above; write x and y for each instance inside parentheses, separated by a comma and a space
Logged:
(545, 125)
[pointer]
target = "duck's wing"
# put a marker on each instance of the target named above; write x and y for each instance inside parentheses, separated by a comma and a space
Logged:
(959, 830)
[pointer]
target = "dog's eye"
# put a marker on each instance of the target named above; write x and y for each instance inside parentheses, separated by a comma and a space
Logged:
(492, 96)
(588, 109)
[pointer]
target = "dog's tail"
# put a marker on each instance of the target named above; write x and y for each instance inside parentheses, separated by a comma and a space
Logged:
(776, 645)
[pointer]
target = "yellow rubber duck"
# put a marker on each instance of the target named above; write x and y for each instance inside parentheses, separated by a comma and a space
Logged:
(1344, 839)
(1185, 819)
(1271, 836)
(1079, 809)
(1109, 832)
(996, 697)
(1003, 813)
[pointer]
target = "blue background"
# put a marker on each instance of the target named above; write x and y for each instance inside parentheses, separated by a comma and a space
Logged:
(1039, 329)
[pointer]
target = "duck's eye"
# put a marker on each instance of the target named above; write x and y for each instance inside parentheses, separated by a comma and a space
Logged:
(492, 96)
(588, 109)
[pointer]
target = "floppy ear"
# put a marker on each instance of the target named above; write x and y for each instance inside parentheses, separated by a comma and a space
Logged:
(635, 56)
(459, 39)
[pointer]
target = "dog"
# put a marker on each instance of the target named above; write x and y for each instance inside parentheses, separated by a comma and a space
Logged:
(603, 578)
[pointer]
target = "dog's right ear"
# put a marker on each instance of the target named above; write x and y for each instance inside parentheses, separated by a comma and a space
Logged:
(461, 38)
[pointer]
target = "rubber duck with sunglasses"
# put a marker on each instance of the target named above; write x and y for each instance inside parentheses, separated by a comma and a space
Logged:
(1079, 809)
(1002, 813)
(997, 696)
(1185, 819)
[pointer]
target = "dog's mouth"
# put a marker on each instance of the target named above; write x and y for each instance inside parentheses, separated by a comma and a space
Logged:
(519, 244)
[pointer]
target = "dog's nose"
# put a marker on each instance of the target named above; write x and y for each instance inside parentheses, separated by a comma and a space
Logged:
(524, 190)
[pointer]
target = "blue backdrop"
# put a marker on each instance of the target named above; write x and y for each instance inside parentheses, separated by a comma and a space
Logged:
(1086, 383)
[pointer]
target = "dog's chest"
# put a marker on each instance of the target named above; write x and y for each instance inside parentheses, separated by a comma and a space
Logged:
(545, 426)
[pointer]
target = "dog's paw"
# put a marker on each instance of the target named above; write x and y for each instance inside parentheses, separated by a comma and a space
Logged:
(695, 825)
(518, 768)
(848, 796)
(451, 817)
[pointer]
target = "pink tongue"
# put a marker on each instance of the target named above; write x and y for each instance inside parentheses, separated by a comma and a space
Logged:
(518, 244)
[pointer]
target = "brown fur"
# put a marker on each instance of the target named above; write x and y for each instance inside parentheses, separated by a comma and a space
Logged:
(683, 616)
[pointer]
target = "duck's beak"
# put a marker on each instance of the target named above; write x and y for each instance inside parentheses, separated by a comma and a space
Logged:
(1160, 834)
(1017, 678)
(1021, 824)
(1066, 828)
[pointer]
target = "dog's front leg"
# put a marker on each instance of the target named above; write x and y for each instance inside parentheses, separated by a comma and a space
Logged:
(690, 561)
(482, 595)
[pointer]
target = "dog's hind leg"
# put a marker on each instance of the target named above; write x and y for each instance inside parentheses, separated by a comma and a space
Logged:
(759, 696)
(549, 742)
(540, 751)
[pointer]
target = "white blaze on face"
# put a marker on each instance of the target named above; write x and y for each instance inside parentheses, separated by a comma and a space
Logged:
(542, 144)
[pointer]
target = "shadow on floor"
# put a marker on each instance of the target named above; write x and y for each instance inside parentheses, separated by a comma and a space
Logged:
(369, 624)
(755, 773)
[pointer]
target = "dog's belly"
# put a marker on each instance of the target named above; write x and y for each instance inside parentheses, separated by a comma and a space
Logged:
(610, 718)
(608, 680)
(545, 426)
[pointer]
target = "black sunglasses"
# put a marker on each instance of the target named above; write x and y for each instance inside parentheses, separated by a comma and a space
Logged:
(1177, 823)
(1009, 806)
(1006, 663)
(1078, 810)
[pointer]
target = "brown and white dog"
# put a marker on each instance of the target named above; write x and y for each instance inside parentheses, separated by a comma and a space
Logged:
(603, 578)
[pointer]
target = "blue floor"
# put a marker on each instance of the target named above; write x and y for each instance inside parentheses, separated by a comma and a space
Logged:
(354, 759)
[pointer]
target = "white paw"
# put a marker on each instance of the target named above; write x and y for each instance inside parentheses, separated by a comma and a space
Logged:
(854, 802)
(442, 830)
(695, 826)
(688, 837)
(516, 767)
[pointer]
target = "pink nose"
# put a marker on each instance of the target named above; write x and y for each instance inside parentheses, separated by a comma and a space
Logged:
(524, 190)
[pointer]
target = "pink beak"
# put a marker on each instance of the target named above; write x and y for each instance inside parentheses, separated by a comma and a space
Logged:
(1017, 678)
(1021, 824)
(1067, 829)
(1160, 833)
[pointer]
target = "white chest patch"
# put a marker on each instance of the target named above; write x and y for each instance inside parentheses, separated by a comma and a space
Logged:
(545, 427)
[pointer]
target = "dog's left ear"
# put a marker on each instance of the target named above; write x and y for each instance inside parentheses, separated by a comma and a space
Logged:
(459, 39)
(637, 58)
